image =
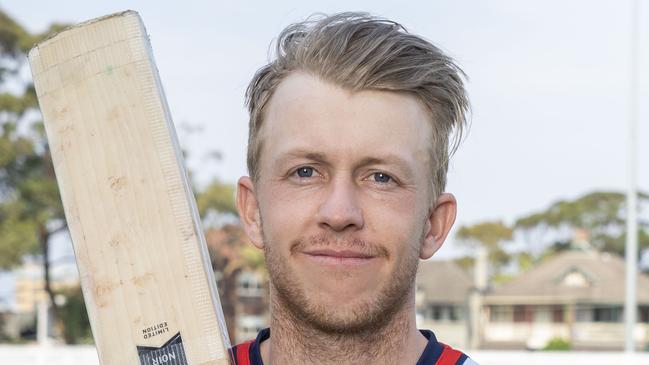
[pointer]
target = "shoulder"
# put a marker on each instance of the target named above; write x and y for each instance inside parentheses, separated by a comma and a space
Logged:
(241, 353)
(469, 361)
(438, 353)
(451, 356)
(247, 353)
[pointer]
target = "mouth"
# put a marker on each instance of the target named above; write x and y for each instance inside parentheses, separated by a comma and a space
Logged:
(345, 258)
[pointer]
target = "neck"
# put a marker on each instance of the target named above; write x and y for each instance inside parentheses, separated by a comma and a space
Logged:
(293, 341)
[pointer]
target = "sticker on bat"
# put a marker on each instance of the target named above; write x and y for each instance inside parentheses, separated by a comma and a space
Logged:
(171, 353)
(155, 330)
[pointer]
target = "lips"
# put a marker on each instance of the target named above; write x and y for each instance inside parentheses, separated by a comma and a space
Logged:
(338, 259)
(340, 254)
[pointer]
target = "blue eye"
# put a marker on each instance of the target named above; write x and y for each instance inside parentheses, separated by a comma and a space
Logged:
(382, 178)
(305, 172)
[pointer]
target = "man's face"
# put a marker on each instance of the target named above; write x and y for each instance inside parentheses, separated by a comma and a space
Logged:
(342, 201)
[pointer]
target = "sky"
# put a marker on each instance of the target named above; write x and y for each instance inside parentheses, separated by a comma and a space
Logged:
(549, 83)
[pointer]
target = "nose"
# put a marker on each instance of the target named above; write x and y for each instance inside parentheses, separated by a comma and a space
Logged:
(340, 210)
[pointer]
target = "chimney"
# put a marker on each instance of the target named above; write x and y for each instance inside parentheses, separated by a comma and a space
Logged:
(580, 240)
(480, 280)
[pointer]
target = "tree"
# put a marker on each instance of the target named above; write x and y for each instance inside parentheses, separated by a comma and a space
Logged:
(601, 215)
(491, 235)
(30, 207)
(73, 313)
(217, 197)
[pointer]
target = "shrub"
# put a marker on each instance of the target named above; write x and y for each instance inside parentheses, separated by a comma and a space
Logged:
(557, 344)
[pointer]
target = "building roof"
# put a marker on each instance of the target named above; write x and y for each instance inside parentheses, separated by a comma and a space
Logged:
(571, 277)
(443, 282)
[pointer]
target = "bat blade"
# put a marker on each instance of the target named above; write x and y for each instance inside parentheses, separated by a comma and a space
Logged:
(143, 263)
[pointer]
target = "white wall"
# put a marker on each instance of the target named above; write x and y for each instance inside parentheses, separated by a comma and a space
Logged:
(450, 333)
(557, 358)
(585, 334)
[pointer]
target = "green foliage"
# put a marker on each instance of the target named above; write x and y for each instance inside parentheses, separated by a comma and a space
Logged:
(14, 39)
(73, 313)
(218, 197)
(30, 207)
(601, 214)
(491, 235)
(3, 335)
(29, 197)
(465, 262)
(525, 261)
(501, 278)
(557, 344)
(583, 212)
(17, 235)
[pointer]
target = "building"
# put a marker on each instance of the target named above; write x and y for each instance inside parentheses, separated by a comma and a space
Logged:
(577, 296)
(30, 284)
(241, 280)
(442, 299)
(19, 315)
(252, 304)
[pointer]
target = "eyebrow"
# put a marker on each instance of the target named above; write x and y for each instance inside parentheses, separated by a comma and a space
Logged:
(300, 153)
(389, 159)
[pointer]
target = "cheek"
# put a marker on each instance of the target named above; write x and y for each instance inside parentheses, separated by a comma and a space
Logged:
(398, 221)
(284, 212)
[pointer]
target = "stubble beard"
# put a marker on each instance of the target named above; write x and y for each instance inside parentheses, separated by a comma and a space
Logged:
(365, 318)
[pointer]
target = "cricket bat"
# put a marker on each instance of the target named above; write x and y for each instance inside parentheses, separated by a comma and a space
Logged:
(145, 271)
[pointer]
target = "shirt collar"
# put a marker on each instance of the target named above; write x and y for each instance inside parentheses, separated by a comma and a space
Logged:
(430, 355)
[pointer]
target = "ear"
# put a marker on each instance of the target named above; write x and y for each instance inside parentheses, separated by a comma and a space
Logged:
(439, 223)
(249, 211)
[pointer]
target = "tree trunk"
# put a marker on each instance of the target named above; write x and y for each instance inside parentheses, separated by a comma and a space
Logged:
(43, 238)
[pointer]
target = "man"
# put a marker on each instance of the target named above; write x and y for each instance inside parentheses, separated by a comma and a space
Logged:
(348, 152)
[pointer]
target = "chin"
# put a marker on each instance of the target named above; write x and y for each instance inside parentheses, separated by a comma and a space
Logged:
(340, 301)
(336, 314)
(361, 317)
(356, 293)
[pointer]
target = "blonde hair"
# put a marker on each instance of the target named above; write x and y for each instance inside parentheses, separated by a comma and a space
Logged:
(358, 51)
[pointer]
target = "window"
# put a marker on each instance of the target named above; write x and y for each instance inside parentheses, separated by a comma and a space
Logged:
(453, 314)
(643, 314)
(543, 313)
(547, 313)
(575, 279)
(500, 313)
(607, 314)
(584, 314)
(599, 313)
(250, 284)
(522, 313)
(445, 313)
(437, 313)
(557, 314)
(249, 326)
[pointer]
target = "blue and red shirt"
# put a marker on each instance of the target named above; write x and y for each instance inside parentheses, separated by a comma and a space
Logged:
(435, 353)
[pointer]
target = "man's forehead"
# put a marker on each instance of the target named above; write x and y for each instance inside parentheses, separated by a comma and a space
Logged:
(305, 101)
(311, 118)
